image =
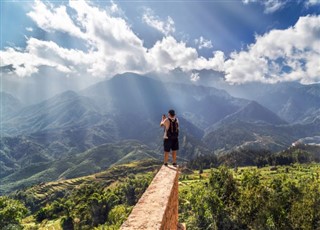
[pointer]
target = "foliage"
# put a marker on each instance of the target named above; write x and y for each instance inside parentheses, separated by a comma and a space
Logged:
(203, 161)
(11, 213)
(96, 159)
(40, 195)
(94, 205)
(250, 198)
(118, 215)
(260, 158)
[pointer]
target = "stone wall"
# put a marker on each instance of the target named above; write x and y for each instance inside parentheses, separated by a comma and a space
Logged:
(158, 206)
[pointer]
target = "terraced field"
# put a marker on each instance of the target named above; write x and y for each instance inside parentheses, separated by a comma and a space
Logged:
(47, 192)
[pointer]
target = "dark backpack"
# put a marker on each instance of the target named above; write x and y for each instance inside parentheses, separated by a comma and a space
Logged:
(173, 131)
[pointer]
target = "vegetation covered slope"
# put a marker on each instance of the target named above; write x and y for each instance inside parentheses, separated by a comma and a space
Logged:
(91, 161)
(104, 199)
(251, 198)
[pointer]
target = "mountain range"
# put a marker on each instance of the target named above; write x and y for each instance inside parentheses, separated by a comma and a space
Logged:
(76, 133)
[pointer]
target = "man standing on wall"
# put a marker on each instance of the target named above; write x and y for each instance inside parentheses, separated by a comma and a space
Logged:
(170, 137)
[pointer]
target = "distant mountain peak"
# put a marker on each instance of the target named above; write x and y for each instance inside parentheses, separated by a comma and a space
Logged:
(130, 76)
(127, 74)
(254, 111)
(68, 94)
(254, 106)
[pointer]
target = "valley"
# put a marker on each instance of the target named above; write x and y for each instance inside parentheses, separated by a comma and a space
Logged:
(117, 121)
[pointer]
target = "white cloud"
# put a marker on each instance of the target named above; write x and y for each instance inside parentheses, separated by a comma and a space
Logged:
(30, 29)
(36, 55)
(270, 6)
(203, 43)
(248, 1)
(194, 77)
(165, 27)
(312, 2)
(280, 55)
(273, 5)
(169, 54)
(112, 46)
(51, 19)
(216, 62)
(114, 8)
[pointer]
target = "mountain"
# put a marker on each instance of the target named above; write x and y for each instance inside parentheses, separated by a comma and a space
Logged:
(117, 121)
(253, 112)
(42, 85)
(258, 136)
(17, 152)
(91, 161)
(9, 105)
(311, 116)
(67, 133)
(143, 96)
(292, 102)
(315, 141)
(62, 111)
(70, 123)
(129, 101)
(203, 106)
(36, 163)
(131, 94)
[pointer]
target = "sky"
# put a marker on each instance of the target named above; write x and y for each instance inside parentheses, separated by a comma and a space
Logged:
(266, 41)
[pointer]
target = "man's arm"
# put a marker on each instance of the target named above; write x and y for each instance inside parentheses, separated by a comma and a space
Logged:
(163, 120)
(165, 123)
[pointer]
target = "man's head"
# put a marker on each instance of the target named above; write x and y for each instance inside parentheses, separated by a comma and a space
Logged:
(171, 113)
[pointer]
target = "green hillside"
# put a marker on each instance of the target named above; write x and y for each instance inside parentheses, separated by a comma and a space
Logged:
(91, 161)
(285, 197)
(87, 202)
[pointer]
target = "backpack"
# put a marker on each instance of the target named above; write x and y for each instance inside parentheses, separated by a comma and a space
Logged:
(173, 131)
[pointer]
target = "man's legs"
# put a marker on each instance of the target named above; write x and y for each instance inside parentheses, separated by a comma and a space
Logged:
(174, 157)
(175, 148)
(166, 148)
(166, 157)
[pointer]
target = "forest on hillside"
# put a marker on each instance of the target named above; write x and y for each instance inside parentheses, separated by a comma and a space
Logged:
(102, 201)
(283, 197)
(271, 197)
(278, 191)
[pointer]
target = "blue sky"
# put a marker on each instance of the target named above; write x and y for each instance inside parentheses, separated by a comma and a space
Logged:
(248, 40)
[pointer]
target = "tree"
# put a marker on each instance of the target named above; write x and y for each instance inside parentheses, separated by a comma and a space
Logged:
(118, 215)
(224, 185)
(67, 223)
(11, 213)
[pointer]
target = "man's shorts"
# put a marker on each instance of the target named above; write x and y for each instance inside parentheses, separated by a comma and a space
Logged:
(171, 144)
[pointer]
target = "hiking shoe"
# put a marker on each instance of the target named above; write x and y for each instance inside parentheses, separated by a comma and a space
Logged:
(174, 164)
(166, 164)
